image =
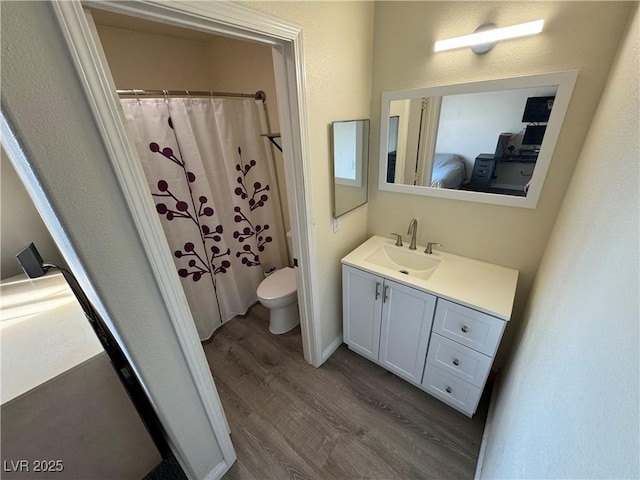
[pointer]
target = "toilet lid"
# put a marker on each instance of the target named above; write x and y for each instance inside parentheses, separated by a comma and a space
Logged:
(278, 284)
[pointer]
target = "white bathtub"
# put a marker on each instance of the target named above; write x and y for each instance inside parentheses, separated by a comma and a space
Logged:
(43, 332)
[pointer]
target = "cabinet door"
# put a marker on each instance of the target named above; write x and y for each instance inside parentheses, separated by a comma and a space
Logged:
(407, 315)
(361, 308)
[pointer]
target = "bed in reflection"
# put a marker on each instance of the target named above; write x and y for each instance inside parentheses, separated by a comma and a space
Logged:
(449, 171)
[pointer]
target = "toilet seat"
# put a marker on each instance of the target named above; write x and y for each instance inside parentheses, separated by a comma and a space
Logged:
(280, 284)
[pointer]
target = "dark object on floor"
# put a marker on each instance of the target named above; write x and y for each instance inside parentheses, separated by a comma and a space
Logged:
(168, 469)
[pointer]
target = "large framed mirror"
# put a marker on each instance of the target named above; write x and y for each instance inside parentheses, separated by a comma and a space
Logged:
(490, 141)
(350, 149)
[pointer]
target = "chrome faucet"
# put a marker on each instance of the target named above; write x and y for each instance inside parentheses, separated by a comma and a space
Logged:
(398, 239)
(429, 246)
(413, 231)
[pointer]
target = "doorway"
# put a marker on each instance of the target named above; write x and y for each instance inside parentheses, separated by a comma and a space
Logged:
(241, 23)
(209, 100)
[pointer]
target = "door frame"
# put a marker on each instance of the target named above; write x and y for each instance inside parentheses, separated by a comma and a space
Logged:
(240, 23)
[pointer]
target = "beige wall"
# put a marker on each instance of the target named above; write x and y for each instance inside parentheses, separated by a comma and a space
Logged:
(138, 59)
(568, 406)
(582, 35)
(20, 223)
(151, 56)
(337, 39)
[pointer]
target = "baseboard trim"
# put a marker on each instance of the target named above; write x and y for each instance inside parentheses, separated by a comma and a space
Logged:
(218, 471)
(333, 346)
(487, 427)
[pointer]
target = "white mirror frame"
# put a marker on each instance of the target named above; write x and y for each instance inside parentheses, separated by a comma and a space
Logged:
(565, 81)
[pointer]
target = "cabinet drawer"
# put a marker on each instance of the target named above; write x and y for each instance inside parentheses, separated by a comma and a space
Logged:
(469, 327)
(459, 394)
(458, 360)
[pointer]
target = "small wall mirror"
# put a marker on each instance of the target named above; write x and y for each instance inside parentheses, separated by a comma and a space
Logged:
(350, 147)
(489, 141)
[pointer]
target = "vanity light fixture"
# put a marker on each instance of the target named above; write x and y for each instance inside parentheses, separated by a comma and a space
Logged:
(486, 36)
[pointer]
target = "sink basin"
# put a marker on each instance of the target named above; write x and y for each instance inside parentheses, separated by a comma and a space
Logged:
(479, 285)
(409, 262)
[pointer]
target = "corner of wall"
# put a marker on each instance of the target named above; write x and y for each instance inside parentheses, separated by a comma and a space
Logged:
(576, 353)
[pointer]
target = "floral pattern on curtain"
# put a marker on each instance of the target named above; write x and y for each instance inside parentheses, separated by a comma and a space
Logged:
(213, 182)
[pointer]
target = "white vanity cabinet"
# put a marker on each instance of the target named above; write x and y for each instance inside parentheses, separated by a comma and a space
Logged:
(435, 320)
(387, 322)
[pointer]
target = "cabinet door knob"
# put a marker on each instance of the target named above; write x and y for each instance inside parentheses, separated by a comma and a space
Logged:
(377, 290)
(465, 329)
(448, 389)
(456, 362)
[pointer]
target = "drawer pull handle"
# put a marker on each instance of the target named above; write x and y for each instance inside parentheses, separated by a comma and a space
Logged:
(448, 389)
(386, 294)
(377, 290)
(465, 329)
(456, 362)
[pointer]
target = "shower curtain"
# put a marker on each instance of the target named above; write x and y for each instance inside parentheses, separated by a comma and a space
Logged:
(213, 182)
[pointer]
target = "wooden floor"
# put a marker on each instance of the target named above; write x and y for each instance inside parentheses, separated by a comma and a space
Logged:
(346, 419)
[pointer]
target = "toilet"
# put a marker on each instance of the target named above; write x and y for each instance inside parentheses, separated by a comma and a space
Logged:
(278, 292)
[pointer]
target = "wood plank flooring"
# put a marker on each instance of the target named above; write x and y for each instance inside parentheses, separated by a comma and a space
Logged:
(348, 419)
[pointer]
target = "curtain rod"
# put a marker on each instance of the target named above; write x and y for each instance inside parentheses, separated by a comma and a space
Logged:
(259, 95)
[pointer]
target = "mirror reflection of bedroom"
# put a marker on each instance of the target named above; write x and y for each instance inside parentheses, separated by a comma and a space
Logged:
(483, 142)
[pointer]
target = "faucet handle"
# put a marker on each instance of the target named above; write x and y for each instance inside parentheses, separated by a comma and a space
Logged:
(429, 245)
(398, 239)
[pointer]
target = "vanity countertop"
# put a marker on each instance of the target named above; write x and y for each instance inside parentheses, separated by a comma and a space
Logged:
(479, 285)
